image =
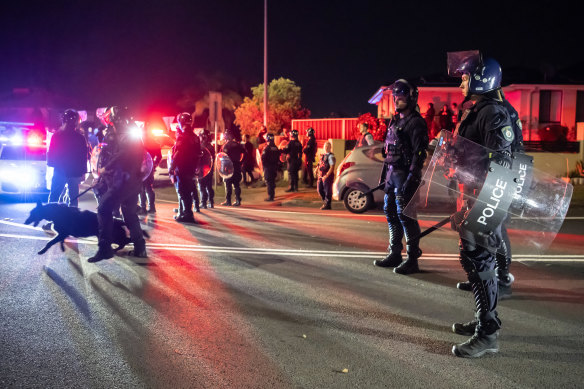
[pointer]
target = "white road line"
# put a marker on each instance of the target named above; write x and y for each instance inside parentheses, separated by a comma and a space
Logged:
(305, 253)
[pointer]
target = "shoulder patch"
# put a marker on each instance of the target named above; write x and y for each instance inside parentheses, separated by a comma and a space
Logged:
(519, 125)
(508, 133)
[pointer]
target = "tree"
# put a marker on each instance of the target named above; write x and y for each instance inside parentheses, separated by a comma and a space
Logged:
(284, 104)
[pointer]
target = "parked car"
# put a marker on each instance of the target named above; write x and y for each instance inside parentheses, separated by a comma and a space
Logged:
(361, 169)
(166, 142)
(23, 170)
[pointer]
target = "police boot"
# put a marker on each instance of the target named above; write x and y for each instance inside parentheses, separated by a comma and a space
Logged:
(139, 252)
(237, 203)
(186, 218)
(464, 285)
(483, 341)
(226, 203)
(270, 198)
(103, 252)
(326, 205)
(466, 329)
(212, 203)
(410, 265)
(290, 189)
(152, 209)
(142, 211)
(393, 259)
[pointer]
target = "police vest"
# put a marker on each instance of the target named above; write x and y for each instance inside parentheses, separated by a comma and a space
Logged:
(324, 165)
(398, 148)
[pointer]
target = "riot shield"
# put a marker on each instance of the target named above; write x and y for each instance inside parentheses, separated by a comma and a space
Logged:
(205, 163)
(147, 165)
(259, 151)
(533, 204)
(95, 160)
(224, 165)
(282, 146)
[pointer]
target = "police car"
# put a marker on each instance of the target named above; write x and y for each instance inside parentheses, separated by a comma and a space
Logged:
(23, 155)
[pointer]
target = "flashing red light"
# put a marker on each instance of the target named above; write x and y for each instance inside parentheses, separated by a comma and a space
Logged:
(34, 139)
(157, 132)
(345, 166)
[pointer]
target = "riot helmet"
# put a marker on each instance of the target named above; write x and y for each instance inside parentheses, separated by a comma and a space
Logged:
(184, 120)
(115, 115)
(403, 89)
(484, 75)
(70, 117)
(310, 131)
(294, 134)
(270, 137)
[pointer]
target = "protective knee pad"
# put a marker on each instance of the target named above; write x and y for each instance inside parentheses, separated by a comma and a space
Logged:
(479, 265)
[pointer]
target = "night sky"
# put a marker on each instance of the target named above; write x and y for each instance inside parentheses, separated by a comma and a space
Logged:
(145, 53)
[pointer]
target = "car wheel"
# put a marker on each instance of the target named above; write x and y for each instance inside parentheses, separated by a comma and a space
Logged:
(355, 202)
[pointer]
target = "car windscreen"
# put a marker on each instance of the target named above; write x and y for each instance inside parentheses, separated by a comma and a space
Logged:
(23, 153)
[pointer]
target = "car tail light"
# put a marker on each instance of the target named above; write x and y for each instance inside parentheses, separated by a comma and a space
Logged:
(344, 166)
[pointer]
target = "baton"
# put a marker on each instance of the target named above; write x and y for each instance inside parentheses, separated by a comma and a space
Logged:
(363, 194)
(434, 227)
(85, 191)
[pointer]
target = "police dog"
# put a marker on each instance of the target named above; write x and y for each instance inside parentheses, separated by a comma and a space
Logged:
(71, 221)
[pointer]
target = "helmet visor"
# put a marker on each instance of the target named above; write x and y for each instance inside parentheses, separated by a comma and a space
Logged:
(461, 62)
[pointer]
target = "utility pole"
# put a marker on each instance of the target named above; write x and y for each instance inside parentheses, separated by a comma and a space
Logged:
(266, 63)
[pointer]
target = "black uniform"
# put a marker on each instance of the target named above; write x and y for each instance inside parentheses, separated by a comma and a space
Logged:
(67, 154)
(235, 152)
(405, 147)
(248, 162)
(324, 186)
(294, 161)
(206, 183)
(123, 180)
(485, 123)
(309, 152)
(185, 160)
(365, 140)
(147, 194)
(270, 163)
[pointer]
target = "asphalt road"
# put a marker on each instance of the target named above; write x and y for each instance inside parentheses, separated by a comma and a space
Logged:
(282, 297)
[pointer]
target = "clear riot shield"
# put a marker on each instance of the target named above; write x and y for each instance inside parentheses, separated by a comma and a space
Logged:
(259, 151)
(205, 163)
(282, 146)
(224, 165)
(147, 165)
(533, 204)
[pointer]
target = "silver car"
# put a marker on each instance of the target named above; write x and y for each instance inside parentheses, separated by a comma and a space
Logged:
(362, 168)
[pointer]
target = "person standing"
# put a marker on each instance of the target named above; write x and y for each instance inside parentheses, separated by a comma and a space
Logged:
(248, 161)
(123, 177)
(429, 117)
(293, 151)
(67, 154)
(326, 175)
(406, 142)
(235, 152)
(366, 138)
(270, 162)
(309, 152)
(206, 183)
(183, 167)
(486, 122)
(147, 195)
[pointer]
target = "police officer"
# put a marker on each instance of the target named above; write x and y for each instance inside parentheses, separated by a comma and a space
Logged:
(486, 122)
(206, 183)
(293, 151)
(366, 138)
(406, 141)
(270, 162)
(309, 152)
(123, 178)
(147, 195)
(326, 175)
(248, 161)
(185, 159)
(235, 152)
(503, 255)
(67, 154)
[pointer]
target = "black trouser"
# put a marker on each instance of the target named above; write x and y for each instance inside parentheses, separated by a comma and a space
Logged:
(232, 184)
(58, 183)
(184, 189)
(147, 192)
(126, 195)
(399, 224)
(206, 188)
(248, 171)
(308, 173)
(503, 255)
(270, 177)
(325, 189)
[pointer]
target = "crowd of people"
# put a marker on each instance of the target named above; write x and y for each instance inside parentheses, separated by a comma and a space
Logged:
(486, 119)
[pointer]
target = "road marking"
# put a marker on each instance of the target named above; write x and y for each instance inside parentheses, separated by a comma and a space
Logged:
(305, 253)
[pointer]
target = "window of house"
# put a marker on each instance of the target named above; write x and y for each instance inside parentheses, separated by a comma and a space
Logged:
(550, 106)
(580, 106)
